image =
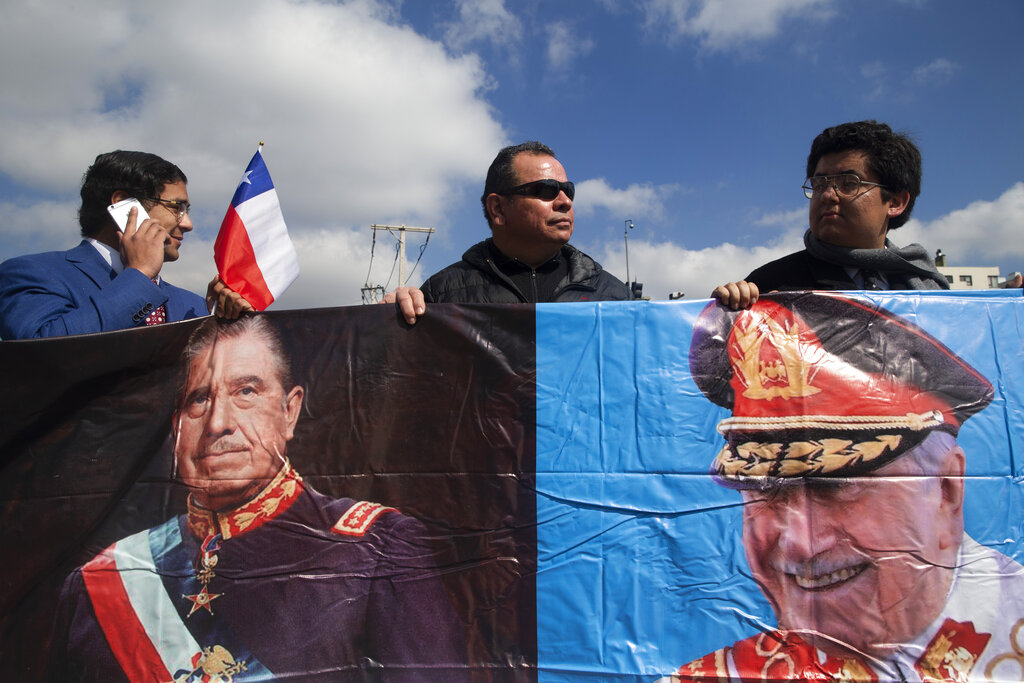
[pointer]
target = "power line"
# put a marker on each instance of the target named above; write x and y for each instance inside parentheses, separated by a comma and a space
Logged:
(374, 293)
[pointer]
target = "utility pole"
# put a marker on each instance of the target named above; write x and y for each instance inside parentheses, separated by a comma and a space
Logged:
(401, 230)
(635, 288)
(374, 293)
(625, 236)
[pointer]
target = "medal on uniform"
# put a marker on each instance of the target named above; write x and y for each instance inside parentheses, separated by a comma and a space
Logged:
(205, 564)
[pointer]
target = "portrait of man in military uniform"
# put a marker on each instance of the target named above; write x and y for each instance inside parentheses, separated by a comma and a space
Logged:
(843, 444)
(262, 577)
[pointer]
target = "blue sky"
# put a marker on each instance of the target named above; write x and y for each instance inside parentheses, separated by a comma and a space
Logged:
(693, 118)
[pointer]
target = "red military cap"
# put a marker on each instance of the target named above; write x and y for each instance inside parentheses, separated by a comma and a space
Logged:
(825, 385)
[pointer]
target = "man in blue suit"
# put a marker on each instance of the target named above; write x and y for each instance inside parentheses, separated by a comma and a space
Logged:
(111, 281)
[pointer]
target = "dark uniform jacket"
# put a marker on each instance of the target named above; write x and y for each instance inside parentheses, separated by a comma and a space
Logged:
(298, 586)
(476, 279)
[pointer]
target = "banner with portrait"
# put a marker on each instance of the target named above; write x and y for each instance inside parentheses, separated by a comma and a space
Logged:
(643, 564)
(545, 493)
(434, 421)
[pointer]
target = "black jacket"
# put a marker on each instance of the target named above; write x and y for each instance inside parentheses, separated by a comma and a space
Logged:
(476, 279)
(800, 271)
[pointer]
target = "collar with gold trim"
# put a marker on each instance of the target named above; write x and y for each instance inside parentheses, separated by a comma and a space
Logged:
(274, 499)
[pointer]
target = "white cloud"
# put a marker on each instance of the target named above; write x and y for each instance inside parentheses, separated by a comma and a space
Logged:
(668, 267)
(873, 70)
(938, 70)
(365, 121)
(725, 24)
(322, 283)
(40, 226)
(636, 201)
(361, 118)
(880, 76)
(876, 73)
(981, 234)
(565, 45)
(787, 220)
(483, 20)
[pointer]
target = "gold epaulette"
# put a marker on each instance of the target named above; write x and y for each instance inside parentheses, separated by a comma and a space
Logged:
(358, 519)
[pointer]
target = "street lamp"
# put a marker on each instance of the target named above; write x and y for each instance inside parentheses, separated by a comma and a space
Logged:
(625, 235)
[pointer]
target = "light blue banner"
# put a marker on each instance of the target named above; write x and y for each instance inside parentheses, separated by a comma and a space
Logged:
(641, 564)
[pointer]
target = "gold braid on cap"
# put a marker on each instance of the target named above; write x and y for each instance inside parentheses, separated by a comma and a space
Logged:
(913, 421)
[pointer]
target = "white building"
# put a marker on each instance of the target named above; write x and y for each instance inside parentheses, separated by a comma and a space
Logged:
(972, 277)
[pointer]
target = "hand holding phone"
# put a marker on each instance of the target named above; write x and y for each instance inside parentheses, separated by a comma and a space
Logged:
(119, 212)
(143, 248)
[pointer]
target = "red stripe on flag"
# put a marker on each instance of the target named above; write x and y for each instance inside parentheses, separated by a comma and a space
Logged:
(236, 262)
(125, 635)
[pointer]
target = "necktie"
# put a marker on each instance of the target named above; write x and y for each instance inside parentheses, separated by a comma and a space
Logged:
(159, 315)
(871, 281)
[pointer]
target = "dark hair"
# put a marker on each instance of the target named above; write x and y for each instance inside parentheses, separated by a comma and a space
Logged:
(501, 176)
(213, 330)
(139, 174)
(893, 157)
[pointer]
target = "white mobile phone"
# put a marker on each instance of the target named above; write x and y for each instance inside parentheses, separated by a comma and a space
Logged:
(119, 212)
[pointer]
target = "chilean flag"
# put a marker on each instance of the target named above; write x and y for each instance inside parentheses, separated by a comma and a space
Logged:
(253, 252)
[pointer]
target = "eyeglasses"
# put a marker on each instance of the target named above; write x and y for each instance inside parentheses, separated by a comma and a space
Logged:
(546, 189)
(179, 208)
(846, 185)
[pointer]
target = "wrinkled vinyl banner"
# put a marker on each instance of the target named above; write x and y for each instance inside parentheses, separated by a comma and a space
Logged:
(826, 487)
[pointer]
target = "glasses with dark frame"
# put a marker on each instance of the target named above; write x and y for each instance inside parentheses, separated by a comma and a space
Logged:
(546, 189)
(846, 185)
(179, 207)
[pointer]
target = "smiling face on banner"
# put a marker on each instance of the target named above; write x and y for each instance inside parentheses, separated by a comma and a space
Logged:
(861, 565)
(842, 441)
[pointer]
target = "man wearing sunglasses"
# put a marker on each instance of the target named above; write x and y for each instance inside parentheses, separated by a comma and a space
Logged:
(110, 281)
(862, 181)
(527, 201)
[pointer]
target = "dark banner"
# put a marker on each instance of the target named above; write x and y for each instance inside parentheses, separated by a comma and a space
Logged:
(317, 581)
(825, 487)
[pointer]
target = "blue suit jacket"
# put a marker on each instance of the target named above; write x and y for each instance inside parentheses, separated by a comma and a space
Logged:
(75, 292)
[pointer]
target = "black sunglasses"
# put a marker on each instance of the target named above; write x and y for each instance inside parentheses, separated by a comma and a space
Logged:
(546, 189)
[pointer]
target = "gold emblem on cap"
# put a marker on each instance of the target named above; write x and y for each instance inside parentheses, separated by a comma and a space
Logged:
(786, 376)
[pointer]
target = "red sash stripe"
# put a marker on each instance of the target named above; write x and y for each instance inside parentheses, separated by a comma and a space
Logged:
(127, 638)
